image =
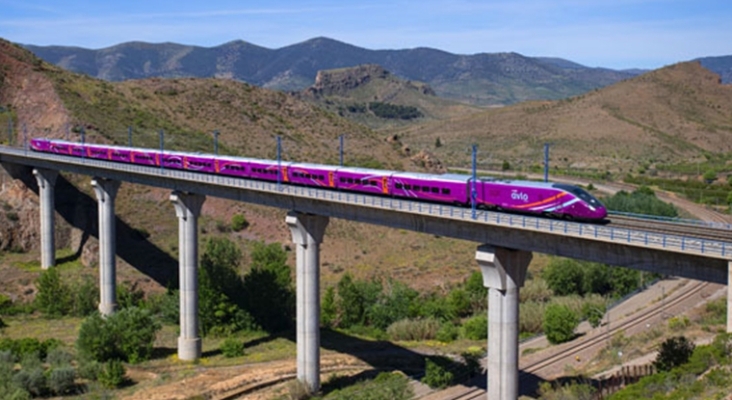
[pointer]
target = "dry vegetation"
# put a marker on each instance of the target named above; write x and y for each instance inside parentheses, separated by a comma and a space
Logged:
(671, 115)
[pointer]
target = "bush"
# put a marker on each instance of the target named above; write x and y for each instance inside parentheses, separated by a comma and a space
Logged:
(53, 297)
(476, 328)
(413, 329)
(674, 352)
(447, 333)
(437, 373)
(61, 380)
(125, 335)
(559, 323)
(59, 357)
(84, 297)
(32, 380)
(231, 348)
(239, 222)
(112, 375)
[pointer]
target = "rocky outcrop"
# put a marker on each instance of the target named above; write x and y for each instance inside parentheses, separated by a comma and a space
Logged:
(340, 81)
(30, 93)
(429, 161)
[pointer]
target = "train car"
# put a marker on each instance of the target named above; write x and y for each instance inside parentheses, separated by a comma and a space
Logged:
(145, 157)
(269, 170)
(193, 162)
(232, 166)
(446, 188)
(316, 175)
(364, 180)
(550, 199)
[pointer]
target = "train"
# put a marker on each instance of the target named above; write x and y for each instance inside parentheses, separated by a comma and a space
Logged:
(549, 199)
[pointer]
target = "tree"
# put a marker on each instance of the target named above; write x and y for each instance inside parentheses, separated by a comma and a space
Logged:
(674, 351)
(505, 166)
(559, 323)
(267, 288)
(329, 309)
(438, 142)
(564, 276)
(53, 298)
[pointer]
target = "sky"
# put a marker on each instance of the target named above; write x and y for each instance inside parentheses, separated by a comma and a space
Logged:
(615, 34)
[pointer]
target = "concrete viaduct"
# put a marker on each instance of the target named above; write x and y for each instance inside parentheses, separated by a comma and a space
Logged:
(505, 246)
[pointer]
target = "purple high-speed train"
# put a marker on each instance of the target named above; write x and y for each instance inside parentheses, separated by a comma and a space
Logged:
(549, 199)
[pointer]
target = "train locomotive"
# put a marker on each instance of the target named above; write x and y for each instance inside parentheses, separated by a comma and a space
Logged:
(537, 198)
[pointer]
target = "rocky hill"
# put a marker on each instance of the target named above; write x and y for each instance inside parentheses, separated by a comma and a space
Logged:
(498, 78)
(678, 114)
(721, 65)
(359, 93)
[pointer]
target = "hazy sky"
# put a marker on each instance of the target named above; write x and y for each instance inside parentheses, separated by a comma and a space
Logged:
(606, 33)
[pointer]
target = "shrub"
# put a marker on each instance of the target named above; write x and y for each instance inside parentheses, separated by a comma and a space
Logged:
(61, 380)
(437, 373)
(53, 297)
(112, 375)
(32, 380)
(231, 348)
(84, 297)
(559, 323)
(239, 222)
(447, 333)
(59, 357)
(125, 335)
(674, 351)
(413, 329)
(476, 328)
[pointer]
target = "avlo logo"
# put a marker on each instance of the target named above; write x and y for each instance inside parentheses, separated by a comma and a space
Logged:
(516, 195)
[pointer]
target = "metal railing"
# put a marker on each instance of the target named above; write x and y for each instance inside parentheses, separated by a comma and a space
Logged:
(638, 238)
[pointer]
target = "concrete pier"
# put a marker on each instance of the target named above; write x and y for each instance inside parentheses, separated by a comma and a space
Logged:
(307, 234)
(504, 272)
(46, 181)
(729, 297)
(188, 208)
(106, 191)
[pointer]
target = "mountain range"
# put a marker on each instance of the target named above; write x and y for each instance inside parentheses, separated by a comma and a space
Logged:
(480, 79)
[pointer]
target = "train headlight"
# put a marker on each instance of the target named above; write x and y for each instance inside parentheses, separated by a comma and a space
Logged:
(592, 208)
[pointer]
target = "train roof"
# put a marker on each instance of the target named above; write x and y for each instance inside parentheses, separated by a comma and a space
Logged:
(365, 170)
(433, 177)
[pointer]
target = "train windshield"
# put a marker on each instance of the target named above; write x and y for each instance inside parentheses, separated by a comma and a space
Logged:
(579, 192)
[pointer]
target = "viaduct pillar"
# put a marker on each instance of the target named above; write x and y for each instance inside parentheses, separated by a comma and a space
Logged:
(307, 234)
(46, 181)
(504, 271)
(188, 208)
(106, 191)
(729, 297)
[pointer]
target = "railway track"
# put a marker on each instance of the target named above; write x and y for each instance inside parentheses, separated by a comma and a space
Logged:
(599, 338)
(671, 228)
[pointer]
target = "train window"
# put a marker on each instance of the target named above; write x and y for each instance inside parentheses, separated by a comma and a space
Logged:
(321, 177)
(407, 186)
(435, 190)
(398, 185)
(350, 180)
(343, 180)
(374, 183)
(425, 188)
(445, 191)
